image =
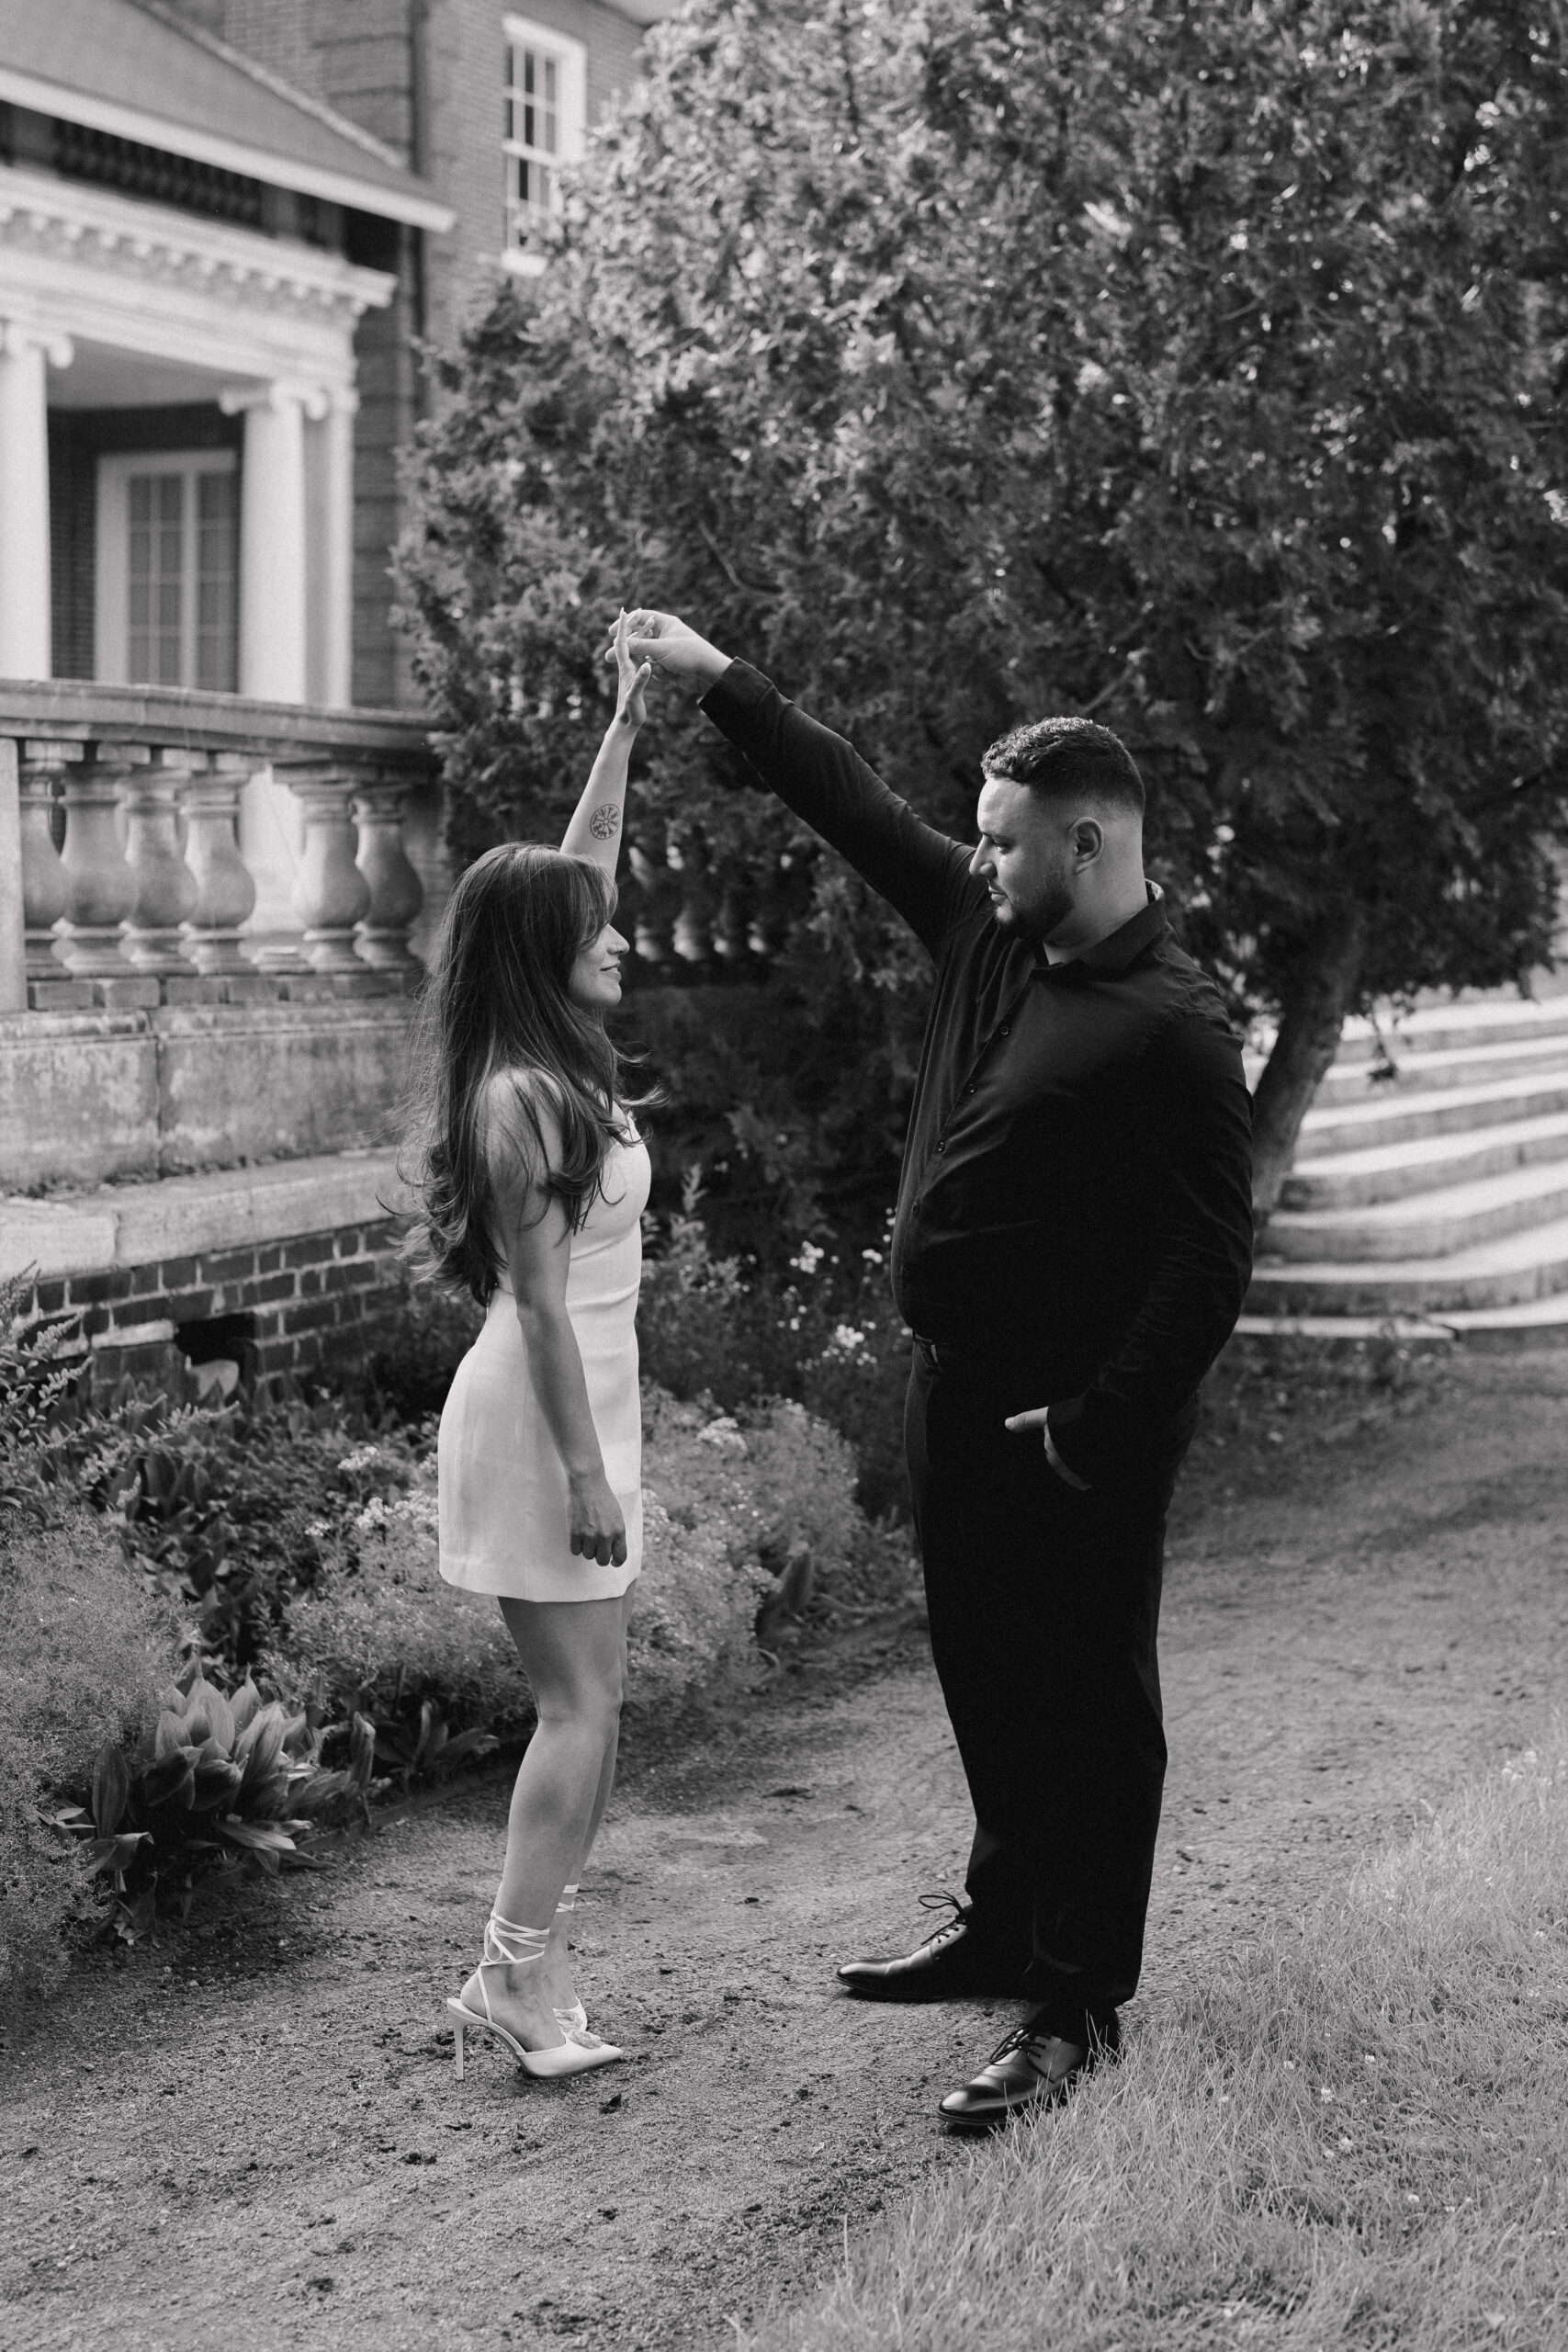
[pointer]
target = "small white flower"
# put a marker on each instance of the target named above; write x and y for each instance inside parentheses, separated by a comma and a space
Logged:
(849, 1339)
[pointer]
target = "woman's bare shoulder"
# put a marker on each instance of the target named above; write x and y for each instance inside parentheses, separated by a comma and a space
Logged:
(521, 1109)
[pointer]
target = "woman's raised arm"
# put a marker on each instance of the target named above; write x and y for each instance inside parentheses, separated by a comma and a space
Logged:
(595, 827)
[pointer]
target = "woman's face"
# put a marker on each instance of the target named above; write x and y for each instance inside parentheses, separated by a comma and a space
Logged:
(596, 975)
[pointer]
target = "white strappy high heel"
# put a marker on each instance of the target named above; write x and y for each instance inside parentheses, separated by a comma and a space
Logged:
(506, 1945)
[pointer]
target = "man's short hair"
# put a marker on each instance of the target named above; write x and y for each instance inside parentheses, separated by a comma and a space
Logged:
(1069, 756)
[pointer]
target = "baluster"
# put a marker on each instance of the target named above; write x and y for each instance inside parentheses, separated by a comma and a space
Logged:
(100, 888)
(225, 888)
(650, 933)
(773, 907)
(693, 937)
(166, 886)
(330, 891)
(50, 988)
(271, 834)
(729, 930)
(397, 893)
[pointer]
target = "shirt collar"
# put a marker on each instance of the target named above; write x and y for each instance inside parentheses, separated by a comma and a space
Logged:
(1120, 949)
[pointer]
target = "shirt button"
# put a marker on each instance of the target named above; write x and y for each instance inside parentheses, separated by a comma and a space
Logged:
(941, 1146)
(969, 1089)
(1005, 1027)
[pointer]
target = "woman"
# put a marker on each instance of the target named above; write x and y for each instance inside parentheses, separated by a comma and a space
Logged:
(534, 1184)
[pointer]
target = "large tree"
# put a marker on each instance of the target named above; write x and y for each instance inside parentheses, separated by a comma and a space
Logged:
(1197, 365)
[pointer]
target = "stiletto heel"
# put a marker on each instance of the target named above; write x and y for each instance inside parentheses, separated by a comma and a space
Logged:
(545, 2066)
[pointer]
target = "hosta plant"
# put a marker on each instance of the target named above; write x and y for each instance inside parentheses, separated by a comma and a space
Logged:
(219, 1777)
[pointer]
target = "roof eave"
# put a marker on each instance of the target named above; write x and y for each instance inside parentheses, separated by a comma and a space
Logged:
(409, 205)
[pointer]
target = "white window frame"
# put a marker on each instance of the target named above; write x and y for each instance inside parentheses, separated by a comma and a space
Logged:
(111, 615)
(571, 57)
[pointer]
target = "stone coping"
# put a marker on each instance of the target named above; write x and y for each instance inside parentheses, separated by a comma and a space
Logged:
(136, 1224)
(71, 710)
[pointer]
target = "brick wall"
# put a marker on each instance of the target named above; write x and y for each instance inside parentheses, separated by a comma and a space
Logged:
(465, 162)
(312, 1298)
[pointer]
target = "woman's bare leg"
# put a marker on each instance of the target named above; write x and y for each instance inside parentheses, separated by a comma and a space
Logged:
(572, 1653)
(558, 1962)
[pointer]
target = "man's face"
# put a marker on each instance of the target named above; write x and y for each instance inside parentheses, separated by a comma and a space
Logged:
(1024, 857)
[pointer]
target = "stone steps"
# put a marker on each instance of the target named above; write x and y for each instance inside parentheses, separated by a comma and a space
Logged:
(1430, 1189)
(1486, 1020)
(1425, 1223)
(1472, 1063)
(1390, 1118)
(1349, 1180)
(1519, 1266)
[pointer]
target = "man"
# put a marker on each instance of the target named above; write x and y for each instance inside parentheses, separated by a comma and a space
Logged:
(1073, 1242)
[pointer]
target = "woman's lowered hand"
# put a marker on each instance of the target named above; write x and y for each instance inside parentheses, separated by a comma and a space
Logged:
(596, 1521)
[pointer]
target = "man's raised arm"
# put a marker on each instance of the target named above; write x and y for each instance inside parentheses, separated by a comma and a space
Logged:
(920, 872)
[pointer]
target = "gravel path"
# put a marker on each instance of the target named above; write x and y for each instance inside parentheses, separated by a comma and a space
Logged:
(252, 2133)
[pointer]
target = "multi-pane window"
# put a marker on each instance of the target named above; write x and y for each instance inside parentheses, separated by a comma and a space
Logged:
(168, 570)
(542, 122)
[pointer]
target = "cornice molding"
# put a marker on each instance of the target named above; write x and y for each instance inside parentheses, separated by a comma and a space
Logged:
(94, 230)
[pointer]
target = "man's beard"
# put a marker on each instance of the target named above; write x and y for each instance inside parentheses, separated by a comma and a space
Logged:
(1036, 918)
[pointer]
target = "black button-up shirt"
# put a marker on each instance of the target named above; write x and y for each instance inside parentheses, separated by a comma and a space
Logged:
(1075, 1207)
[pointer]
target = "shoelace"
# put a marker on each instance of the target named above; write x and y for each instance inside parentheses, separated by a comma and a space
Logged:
(949, 1927)
(1018, 2039)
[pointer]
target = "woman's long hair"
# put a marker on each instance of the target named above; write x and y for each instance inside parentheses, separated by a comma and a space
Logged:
(497, 1001)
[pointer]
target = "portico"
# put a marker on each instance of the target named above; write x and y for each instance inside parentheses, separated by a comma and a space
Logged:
(109, 306)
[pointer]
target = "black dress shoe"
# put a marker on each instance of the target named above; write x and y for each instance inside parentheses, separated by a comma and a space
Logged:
(1031, 2068)
(952, 1964)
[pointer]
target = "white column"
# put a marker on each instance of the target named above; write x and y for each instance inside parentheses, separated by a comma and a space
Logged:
(330, 445)
(274, 582)
(274, 648)
(24, 499)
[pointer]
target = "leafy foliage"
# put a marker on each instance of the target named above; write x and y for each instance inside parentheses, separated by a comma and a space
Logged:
(730, 1506)
(820, 1331)
(1199, 368)
(216, 1777)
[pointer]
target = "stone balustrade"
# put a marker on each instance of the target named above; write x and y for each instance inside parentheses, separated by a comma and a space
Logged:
(139, 886)
(188, 849)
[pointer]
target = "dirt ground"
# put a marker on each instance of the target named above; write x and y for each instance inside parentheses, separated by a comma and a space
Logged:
(252, 2133)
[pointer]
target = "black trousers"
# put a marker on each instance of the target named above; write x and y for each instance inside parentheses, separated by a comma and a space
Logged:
(1044, 1608)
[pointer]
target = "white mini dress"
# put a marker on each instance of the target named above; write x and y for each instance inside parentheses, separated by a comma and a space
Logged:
(503, 1485)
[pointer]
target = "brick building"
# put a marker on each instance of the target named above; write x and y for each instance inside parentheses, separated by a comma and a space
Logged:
(261, 207)
(225, 228)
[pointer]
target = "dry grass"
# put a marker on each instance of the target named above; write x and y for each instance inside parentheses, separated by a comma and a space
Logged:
(1354, 2136)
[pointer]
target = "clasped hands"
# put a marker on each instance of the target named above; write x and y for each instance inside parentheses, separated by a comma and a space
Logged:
(661, 641)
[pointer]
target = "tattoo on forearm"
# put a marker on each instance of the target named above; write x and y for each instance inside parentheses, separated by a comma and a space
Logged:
(603, 822)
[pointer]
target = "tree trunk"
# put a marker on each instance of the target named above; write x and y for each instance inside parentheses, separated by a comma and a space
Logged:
(1311, 1017)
